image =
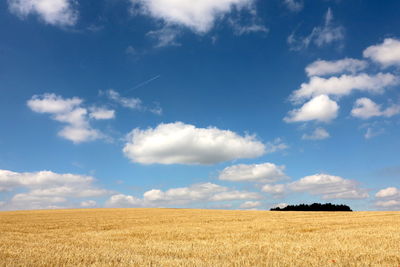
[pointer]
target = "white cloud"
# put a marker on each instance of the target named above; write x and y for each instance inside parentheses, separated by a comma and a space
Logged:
(389, 204)
(123, 201)
(387, 54)
(344, 85)
(45, 188)
(318, 134)
(184, 194)
(101, 113)
(389, 198)
(320, 36)
(329, 186)
(234, 195)
(294, 5)
(53, 12)
(388, 193)
(68, 111)
(323, 67)
(325, 92)
(276, 190)
(27, 201)
(79, 134)
(179, 143)
(365, 108)
(320, 108)
(250, 205)
(75, 117)
(132, 103)
(266, 173)
(197, 193)
(9, 180)
(53, 104)
(69, 191)
(198, 15)
(88, 204)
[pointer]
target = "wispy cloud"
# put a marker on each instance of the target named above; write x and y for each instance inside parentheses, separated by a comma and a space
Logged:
(133, 103)
(320, 36)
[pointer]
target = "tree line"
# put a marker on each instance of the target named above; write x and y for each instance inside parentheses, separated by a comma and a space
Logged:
(314, 207)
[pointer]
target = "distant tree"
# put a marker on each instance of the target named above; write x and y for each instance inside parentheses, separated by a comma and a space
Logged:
(314, 207)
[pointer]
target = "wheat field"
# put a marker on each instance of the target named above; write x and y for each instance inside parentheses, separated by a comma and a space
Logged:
(184, 237)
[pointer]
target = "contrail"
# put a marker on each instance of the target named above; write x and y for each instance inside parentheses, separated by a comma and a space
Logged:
(144, 83)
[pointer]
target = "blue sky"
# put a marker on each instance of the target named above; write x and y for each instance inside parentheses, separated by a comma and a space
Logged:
(234, 104)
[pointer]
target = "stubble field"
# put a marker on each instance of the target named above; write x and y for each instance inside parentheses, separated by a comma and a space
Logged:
(183, 237)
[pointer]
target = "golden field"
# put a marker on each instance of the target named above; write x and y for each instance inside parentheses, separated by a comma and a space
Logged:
(184, 237)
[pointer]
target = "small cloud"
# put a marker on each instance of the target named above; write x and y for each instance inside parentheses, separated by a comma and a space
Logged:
(165, 37)
(101, 113)
(54, 12)
(320, 108)
(277, 190)
(156, 109)
(365, 108)
(294, 5)
(344, 85)
(88, 204)
(95, 28)
(386, 54)
(266, 173)
(323, 67)
(389, 192)
(388, 204)
(318, 134)
(275, 146)
(388, 198)
(250, 205)
(234, 195)
(70, 112)
(130, 50)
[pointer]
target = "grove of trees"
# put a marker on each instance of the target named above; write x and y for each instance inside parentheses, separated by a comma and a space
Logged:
(314, 207)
